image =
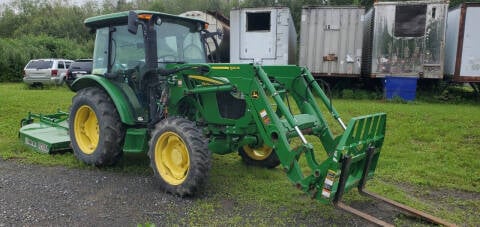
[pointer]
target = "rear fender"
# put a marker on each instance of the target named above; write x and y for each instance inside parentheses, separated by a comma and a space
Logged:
(115, 93)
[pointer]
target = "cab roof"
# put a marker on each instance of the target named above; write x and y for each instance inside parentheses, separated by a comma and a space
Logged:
(122, 18)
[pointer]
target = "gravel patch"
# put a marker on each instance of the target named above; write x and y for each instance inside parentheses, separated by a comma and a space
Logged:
(39, 195)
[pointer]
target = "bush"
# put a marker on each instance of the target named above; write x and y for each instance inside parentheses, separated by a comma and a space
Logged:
(359, 94)
(348, 94)
(17, 52)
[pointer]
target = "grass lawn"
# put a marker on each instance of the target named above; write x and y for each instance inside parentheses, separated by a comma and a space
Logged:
(430, 160)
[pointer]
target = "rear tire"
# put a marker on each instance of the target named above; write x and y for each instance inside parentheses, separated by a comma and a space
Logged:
(179, 156)
(96, 131)
(263, 156)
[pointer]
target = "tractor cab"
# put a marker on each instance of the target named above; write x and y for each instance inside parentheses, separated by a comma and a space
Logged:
(132, 40)
(130, 48)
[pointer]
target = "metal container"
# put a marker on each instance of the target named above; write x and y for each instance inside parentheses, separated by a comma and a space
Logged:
(216, 23)
(462, 50)
(400, 87)
(263, 36)
(405, 38)
(331, 40)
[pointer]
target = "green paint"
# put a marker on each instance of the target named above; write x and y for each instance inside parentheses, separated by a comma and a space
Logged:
(135, 140)
(123, 104)
(45, 133)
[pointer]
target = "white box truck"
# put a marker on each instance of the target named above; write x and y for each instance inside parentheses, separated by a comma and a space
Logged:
(264, 36)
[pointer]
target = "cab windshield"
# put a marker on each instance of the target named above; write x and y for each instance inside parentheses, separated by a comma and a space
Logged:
(177, 42)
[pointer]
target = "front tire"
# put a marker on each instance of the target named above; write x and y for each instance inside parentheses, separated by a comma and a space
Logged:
(96, 131)
(179, 156)
(263, 156)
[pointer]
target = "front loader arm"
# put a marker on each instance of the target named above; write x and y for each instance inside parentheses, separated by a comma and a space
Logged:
(352, 155)
(327, 180)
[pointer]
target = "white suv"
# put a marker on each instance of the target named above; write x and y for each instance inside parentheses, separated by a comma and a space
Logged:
(46, 71)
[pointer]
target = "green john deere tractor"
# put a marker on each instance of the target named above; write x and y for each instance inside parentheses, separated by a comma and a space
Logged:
(151, 90)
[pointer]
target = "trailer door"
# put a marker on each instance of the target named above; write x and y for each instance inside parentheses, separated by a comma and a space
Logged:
(258, 34)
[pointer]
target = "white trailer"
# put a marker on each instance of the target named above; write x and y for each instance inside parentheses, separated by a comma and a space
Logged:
(405, 39)
(462, 51)
(262, 36)
(331, 40)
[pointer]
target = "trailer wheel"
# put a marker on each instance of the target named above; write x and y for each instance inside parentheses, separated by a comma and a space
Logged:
(179, 156)
(96, 132)
(263, 156)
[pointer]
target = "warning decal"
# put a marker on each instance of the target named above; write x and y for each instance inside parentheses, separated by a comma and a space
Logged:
(264, 116)
(328, 183)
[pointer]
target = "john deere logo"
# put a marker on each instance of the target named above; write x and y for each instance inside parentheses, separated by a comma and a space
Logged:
(226, 67)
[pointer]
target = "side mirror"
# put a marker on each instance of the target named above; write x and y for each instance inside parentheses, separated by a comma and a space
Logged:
(132, 22)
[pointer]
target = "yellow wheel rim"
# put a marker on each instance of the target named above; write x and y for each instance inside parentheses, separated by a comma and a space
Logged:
(86, 129)
(171, 158)
(260, 153)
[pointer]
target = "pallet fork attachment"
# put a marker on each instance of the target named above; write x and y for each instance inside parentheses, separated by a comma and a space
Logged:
(352, 156)
(361, 189)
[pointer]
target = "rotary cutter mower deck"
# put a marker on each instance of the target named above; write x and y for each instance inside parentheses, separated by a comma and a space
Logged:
(49, 134)
(152, 91)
